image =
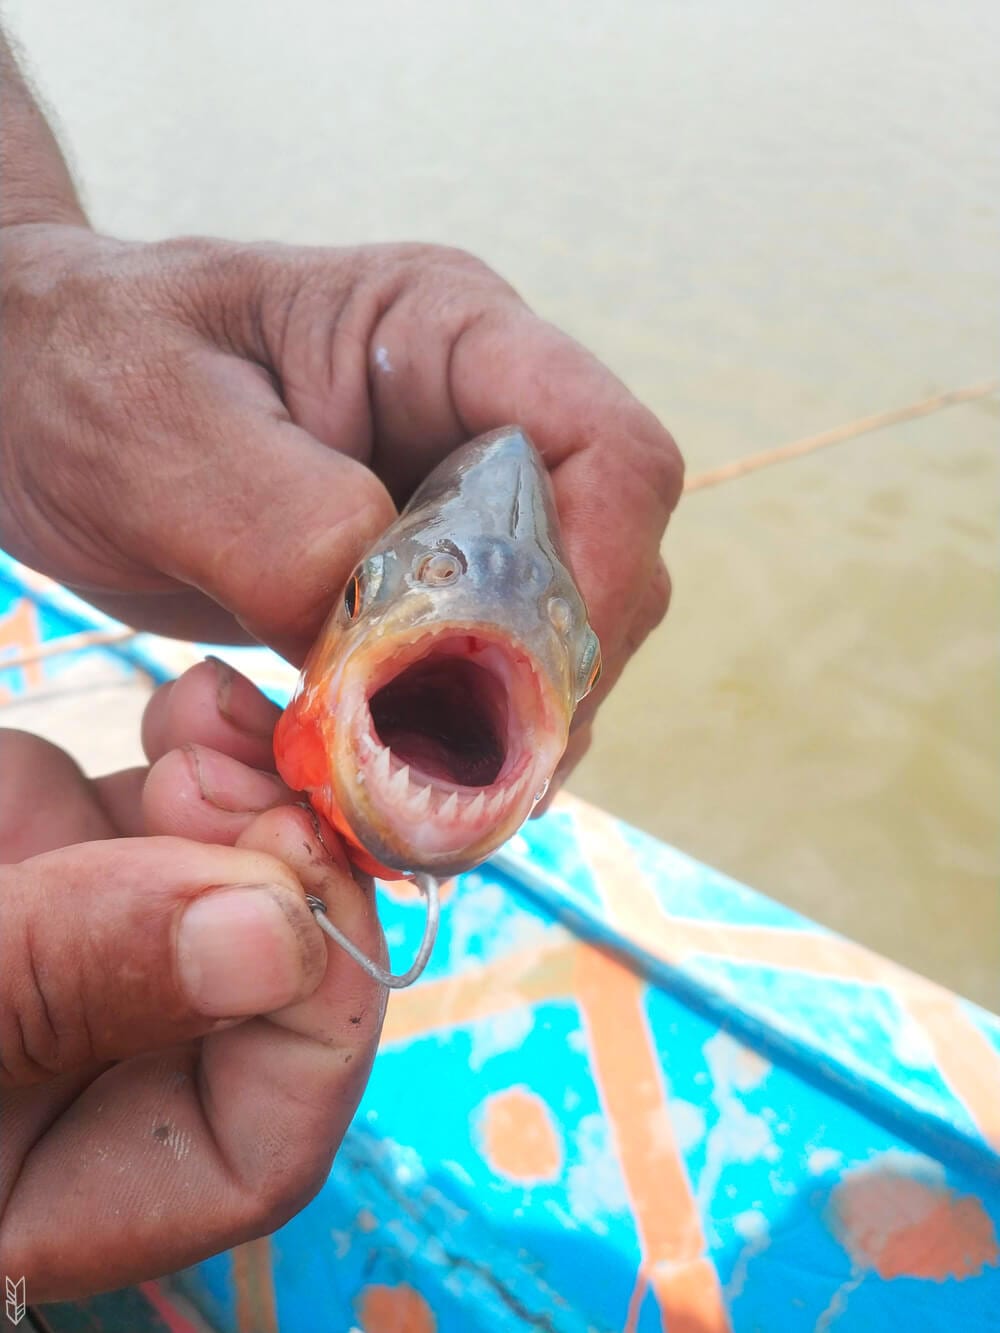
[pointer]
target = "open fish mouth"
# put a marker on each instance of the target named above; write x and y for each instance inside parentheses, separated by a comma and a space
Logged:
(454, 734)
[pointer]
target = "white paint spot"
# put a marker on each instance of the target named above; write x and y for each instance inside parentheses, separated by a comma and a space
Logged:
(568, 1223)
(751, 1224)
(780, 1186)
(746, 1136)
(577, 1040)
(838, 1303)
(457, 1170)
(754, 1228)
(477, 915)
(506, 1031)
(689, 1124)
(594, 1185)
(822, 1160)
(733, 1063)
(342, 1241)
(911, 1046)
(738, 1135)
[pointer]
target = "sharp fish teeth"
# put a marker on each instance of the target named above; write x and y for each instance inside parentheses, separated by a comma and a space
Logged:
(449, 805)
(399, 784)
(476, 805)
(380, 765)
(420, 804)
(496, 803)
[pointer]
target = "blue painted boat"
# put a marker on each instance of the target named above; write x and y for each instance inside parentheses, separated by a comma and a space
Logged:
(628, 1095)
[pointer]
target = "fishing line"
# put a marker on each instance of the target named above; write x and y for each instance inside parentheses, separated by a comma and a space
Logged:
(429, 889)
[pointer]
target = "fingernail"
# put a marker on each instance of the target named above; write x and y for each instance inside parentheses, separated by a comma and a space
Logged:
(241, 703)
(238, 952)
(232, 786)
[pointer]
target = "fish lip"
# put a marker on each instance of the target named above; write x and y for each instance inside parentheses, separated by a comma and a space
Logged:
(407, 830)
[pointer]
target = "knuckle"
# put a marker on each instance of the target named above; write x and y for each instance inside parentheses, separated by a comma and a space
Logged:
(658, 595)
(457, 279)
(35, 1043)
(652, 609)
(663, 462)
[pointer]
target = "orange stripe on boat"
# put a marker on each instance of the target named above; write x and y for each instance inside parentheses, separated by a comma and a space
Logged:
(253, 1280)
(967, 1062)
(627, 1072)
(633, 906)
(523, 978)
(395, 1310)
(20, 630)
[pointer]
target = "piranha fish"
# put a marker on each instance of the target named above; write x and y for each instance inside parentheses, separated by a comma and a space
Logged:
(436, 703)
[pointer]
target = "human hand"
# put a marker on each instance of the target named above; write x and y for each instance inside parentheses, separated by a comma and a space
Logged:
(202, 436)
(181, 1054)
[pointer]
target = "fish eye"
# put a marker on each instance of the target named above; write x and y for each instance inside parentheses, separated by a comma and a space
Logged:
(363, 585)
(352, 596)
(591, 666)
(438, 569)
(595, 672)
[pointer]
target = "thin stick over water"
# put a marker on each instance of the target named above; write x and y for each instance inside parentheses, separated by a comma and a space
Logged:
(69, 643)
(740, 467)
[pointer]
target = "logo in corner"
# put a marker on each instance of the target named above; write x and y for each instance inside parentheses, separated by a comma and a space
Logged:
(15, 1299)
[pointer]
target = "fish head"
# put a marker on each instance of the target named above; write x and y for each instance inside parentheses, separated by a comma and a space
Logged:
(447, 676)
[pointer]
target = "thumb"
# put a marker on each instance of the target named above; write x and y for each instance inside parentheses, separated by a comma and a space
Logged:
(119, 947)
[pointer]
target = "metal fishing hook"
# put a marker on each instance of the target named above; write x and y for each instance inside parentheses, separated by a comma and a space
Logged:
(428, 887)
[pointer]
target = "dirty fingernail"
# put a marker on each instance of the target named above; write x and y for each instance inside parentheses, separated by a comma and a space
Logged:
(239, 953)
(231, 786)
(241, 703)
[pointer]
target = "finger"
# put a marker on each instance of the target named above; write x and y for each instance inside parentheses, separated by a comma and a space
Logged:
(45, 799)
(122, 946)
(211, 704)
(198, 793)
(208, 1145)
(182, 613)
(616, 472)
(120, 795)
(289, 517)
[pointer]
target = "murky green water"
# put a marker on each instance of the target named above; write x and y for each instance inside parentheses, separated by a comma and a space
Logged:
(768, 219)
